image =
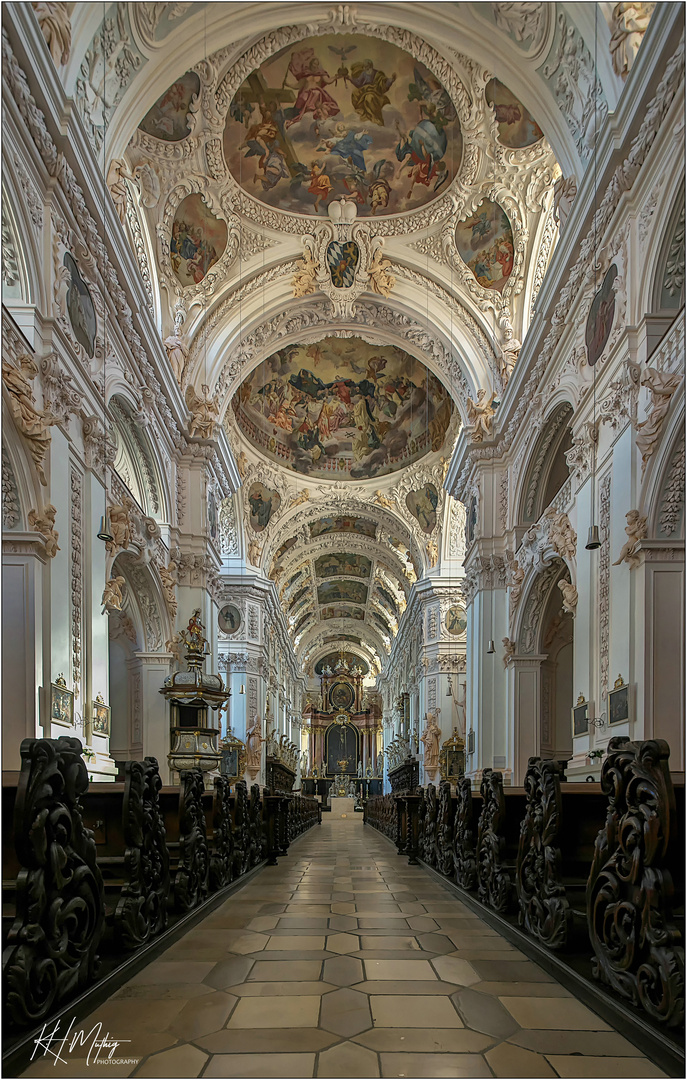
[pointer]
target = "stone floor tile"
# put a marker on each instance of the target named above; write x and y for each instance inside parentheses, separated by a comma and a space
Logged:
(263, 922)
(347, 908)
(343, 922)
(348, 1060)
(421, 1065)
(424, 1040)
(272, 989)
(160, 992)
(297, 943)
(302, 922)
(412, 908)
(413, 1012)
(391, 929)
(276, 1012)
(384, 921)
(180, 1061)
(285, 970)
(343, 970)
(227, 972)
(271, 909)
(226, 921)
(481, 1012)
(594, 1043)
(297, 908)
(435, 943)
(168, 971)
(202, 1015)
(513, 1061)
(451, 969)
(562, 1014)
(342, 943)
(398, 969)
(274, 955)
(495, 971)
(345, 1012)
(261, 1065)
(401, 986)
(524, 989)
(389, 942)
(603, 1066)
(422, 922)
(266, 1040)
(129, 1019)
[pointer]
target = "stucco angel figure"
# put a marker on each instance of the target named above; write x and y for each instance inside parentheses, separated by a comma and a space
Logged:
(167, 577)
(381, 281)
(661, 387)
(430, 737)
(254, 741)
(45, 523)
(480, 415)
(204, 412)
(432, 552)
(636, 531)
(509, 647)
(304, 281)
(516, 579)
(569, 596)
(120, 525)
(112, 594)
(33, 423)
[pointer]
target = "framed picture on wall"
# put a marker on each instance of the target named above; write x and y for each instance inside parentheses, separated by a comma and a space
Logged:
(61, 703)
(580, 717)
(100, 724)
(619, 702)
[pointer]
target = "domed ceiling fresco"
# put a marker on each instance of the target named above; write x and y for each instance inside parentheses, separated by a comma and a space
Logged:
(341, 409)
(343, 115)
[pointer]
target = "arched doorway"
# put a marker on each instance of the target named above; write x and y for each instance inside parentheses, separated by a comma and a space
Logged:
(556, 679)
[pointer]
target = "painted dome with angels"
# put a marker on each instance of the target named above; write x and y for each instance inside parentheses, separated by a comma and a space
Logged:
(342, 409)
(343, 115)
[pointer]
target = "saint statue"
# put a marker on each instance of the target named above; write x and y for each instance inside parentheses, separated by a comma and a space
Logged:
(430, 737)
(254, 741)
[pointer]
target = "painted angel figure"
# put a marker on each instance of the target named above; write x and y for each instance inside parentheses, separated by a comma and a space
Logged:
(480, 415)
(311, 79)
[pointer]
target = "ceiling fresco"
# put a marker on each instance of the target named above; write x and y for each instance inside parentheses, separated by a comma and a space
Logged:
(167, 119)
(351, 592)
(342, 409)
(333, 658)
(338, 612)
(517, 128)
(485, 243)
(343, 115)
(335, 563)
(342, 524)
(198, 240)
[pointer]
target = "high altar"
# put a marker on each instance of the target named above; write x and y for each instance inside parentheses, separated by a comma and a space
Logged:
(341, 732)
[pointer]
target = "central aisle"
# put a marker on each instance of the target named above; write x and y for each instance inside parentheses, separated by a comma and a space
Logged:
(345, 961)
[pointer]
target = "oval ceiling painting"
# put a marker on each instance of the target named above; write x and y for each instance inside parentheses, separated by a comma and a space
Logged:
(343, 115)
(342, 409)
(198, 240)
(485, 243)
(168, 118)
(517, 128)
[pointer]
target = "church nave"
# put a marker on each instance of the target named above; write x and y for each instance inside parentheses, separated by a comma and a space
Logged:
(343, 961)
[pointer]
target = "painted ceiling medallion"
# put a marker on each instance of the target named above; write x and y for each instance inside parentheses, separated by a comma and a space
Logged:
(348, 592)
(197, 242)
(342, 524)
(422, 504)
(517, 128)
(600, 318)
(80, 308)
(343, 115)
(485, 243)
(337, 611)
(168, 117)
(263, 503)
(341, 409)
(339, 564)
